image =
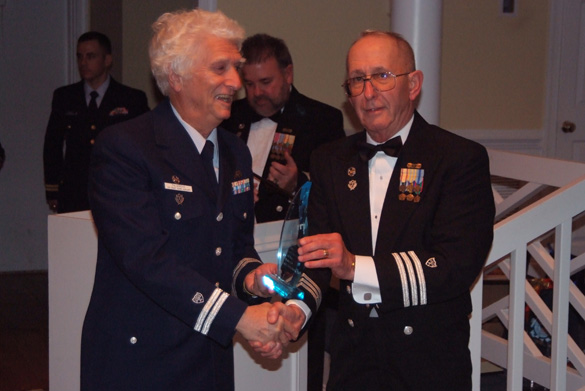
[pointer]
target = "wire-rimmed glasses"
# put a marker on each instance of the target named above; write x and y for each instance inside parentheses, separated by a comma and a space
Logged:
(383, 81)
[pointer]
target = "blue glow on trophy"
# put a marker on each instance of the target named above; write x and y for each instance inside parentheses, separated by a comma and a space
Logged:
(294, 227)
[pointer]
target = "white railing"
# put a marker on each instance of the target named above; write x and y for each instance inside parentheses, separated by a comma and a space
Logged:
(535, 216)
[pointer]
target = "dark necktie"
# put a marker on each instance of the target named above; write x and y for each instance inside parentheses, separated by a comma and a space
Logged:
(207, 157)
(390, 148)
(93, 101)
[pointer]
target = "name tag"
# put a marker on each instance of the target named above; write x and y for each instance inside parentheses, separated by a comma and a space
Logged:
(177, 187)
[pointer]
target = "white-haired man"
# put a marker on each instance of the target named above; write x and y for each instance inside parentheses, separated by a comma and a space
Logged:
(172, 198)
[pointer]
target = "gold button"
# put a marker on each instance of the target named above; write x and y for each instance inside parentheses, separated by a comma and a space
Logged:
(218, 251)
(92, 141)
(219, 217)
(245, 215)
(350, 322)
(241, 126)
(177, 216)
(93, 127)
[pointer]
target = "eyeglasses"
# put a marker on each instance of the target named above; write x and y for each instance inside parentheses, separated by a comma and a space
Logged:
(383, 81)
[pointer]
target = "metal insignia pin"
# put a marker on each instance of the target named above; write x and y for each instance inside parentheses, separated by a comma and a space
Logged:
(351, 171)
(352, 184)
(176, 179)
(241, 126)
(431, 262)
(179, 199)
(198, 298)
(237, 174)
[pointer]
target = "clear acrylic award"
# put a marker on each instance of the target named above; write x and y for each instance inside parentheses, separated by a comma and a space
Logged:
(294, 227)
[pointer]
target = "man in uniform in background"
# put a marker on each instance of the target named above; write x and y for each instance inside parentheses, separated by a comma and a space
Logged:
(79, 113)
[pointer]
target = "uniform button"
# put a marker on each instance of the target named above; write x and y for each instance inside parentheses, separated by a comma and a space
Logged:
(217, 284)
(348, 289)
(245, 215)
(350, 323)
(92, 141)
(279, 208)
(218, 251)
(133, 340)
(219, 217)
(241, 126)
(93, 127)
(408, 330)
(367, 306)
(177, 216)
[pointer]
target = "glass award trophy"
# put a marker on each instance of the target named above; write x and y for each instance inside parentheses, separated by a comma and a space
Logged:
(294, 227)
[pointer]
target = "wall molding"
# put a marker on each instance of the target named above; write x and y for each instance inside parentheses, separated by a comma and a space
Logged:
(529, 141)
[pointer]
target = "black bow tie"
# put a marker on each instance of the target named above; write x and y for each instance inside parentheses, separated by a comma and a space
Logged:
(390, 148)
(255, 117)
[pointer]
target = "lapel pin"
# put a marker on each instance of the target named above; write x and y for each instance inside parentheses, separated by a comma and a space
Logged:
(352, 184)
(176, 179)
(179, 199)
(351, 171)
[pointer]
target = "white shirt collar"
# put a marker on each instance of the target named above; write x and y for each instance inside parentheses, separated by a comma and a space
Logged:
(402, 133)
(197, 138)
(101, 90)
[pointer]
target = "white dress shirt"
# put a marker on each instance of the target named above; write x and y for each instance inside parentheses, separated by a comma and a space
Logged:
(366, 287)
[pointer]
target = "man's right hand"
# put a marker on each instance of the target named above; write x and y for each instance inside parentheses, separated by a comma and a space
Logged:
(266, 338)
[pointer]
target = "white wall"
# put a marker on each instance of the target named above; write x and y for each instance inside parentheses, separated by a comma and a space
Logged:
(33, 62)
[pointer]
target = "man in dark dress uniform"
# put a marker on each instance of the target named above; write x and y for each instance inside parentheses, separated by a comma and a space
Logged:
(171, 195)
(403, 215)
(79, 112)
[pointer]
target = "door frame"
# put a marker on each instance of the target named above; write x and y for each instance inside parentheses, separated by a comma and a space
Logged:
(551, 120)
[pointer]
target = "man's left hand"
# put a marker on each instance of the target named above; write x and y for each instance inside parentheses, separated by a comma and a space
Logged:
(284, 175)
(327, 250)
(253, 280)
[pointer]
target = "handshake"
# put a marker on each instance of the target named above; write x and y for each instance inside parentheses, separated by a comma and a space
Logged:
(267, 327)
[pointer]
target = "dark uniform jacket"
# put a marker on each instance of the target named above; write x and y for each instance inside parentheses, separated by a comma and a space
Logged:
(429, 251)
(311, 122)
(71, 133)
(170, 252)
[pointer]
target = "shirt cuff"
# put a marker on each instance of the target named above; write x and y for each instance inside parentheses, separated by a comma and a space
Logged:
(305, 308)
(365, 287)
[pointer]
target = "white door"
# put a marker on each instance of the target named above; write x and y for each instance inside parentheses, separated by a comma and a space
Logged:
(569, 122)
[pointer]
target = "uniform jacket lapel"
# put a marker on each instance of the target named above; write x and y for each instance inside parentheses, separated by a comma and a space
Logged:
(227, 168)
(178, 149)
(351, 181)
(396, 214)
